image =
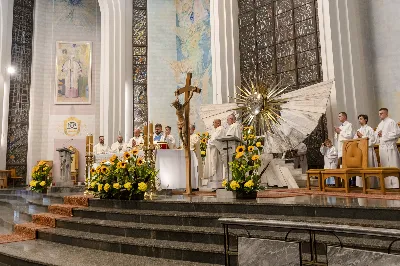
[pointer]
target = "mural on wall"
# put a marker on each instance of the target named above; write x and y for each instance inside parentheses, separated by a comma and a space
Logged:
(77, 13)
(193, 35)
(73, 72)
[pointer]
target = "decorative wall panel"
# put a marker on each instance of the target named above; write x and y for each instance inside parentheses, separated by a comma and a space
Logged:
(21, 59)
(279, 42)
(139, 60)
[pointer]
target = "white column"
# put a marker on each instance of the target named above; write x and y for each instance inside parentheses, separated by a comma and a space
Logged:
(128, 71)
(224, 49)
(343, 58)
(6, 20)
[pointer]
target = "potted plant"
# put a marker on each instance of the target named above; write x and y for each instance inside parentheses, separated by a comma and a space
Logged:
(40, 177)
(128, 178)
(246, 162)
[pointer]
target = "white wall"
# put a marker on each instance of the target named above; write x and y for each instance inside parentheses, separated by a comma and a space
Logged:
(46, 118)
(162, 52)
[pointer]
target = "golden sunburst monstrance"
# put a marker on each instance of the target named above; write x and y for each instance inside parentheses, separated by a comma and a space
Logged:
(260, 104)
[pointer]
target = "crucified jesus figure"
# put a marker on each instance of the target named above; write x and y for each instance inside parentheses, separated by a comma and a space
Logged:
(180, 109)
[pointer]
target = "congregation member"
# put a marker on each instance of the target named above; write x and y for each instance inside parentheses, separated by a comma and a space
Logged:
(365, 131)
(194, 138)
(158, 133)
(214, 164)
(387, 135)
(136, 140)
(101, 148)
(330, 159)
(169, 138)
(119, 146)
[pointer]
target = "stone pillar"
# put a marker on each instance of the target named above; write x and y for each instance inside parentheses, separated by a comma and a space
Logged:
(345, 52)
(64, 180)
(6, 19)
(225, 49)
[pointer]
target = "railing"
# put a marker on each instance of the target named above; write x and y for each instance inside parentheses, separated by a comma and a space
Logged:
(311, 228)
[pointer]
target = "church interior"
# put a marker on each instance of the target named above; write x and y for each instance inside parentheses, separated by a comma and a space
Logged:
(199, 132)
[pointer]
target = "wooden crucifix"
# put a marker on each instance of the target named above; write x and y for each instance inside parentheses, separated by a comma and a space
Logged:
(184, 123)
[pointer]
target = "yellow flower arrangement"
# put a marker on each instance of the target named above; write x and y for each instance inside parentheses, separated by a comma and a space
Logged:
(249, 184)
(203, 153)
(255, 157)
(93, 184)
(93, 171)
(258, 144)
(99, 187)
(43, 183)
(140, 161)
(40, 177)
(127, 155)
(116, 186)
(250, 148)
(119, 164)
(104, 169)
(240, 149)
(234, 185)
(224, 183)
(107, 187)
(128, 185)
(135, 151)
(142, 186)
(33, 183)
(113, 158)
(203, 140)
(123, 165)
(239, 155)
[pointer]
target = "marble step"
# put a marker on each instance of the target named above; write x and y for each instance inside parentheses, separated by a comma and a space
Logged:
(196, 234)
(195, 252)
(316, 206)
(40, 252)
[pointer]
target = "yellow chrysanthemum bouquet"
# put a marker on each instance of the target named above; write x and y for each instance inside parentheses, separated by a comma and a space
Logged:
(245, 164)
(204, 137)
(40, 177)
(128, 178)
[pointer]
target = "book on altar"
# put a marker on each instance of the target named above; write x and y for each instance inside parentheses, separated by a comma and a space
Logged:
(163, 145)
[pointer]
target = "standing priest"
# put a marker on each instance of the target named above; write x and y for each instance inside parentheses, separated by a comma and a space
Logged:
(235, 128)
(388, 133)
(214, 166)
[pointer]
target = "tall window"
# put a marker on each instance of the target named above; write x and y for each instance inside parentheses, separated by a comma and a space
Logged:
(279, 42)
(140, 109)
(20, 82)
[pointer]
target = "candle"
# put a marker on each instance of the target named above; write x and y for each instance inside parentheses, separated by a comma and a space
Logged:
(145, 135)
(151, 133)
(87, 143)
(91, 143)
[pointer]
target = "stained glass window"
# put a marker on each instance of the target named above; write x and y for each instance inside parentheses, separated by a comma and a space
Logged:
(279, 42)
(21, 59)
(139, 38)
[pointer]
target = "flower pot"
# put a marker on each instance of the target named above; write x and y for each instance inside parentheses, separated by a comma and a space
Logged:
(244, 195)
(139, 196)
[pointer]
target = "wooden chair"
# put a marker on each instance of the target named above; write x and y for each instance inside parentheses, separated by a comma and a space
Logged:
(354, 160)
(14, 176)
(74, 164)
(3, 179)
(314, 173)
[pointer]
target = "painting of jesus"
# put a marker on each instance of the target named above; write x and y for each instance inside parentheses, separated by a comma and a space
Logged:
(73, 73)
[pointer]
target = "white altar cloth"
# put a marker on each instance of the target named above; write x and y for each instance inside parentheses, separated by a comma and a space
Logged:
(98, 158)
(172, 169)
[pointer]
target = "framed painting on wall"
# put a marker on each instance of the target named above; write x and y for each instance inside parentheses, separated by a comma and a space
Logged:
(73, 73)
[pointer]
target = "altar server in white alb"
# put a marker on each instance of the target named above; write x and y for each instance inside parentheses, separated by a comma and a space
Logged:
(169, 138)
(343, 132)
(101, 148)
(388, 133)
(214, 164)
(366, 131)
(330, 158)
(119, 146)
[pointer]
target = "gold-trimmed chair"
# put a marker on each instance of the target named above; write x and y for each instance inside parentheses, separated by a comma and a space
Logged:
(354, 160)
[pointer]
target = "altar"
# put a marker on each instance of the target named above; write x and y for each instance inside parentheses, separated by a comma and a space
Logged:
(171, 165)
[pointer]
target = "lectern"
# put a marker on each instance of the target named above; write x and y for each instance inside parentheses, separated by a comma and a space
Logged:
(64, 180)
(229, 144)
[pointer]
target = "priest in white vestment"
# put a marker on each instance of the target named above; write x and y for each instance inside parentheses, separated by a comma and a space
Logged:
(214, 164)
(101, 148)
(137, 138)
(365, 131)
(387, 134)
(300, 160)
(119, 146)
(234, 130)
(343, 132)
(169, 138)
(194, 138)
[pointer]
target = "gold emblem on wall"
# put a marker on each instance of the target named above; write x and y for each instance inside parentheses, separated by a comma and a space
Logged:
(72, 126)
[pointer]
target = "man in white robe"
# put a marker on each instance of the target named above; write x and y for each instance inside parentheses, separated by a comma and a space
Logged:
(343, 132)
(300, 160)
(194, 138)
(169, 138)
(365, 131)
(119, 146)
(137, 138)
(234, 130)
(387, 135)
(101, 148)
(214, 164)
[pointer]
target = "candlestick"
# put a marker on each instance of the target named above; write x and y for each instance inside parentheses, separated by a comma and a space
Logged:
(151, 133)
(87, 143)
(91, 143)
(146, 135)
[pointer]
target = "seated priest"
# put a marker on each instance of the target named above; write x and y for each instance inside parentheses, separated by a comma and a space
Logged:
(214, 165)
(158, 133)
(194, 138)
(136, 140)
(169, 138)
(101, 148)
(119, 146)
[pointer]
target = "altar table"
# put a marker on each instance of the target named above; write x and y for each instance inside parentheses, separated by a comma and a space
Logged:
(172, 169)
